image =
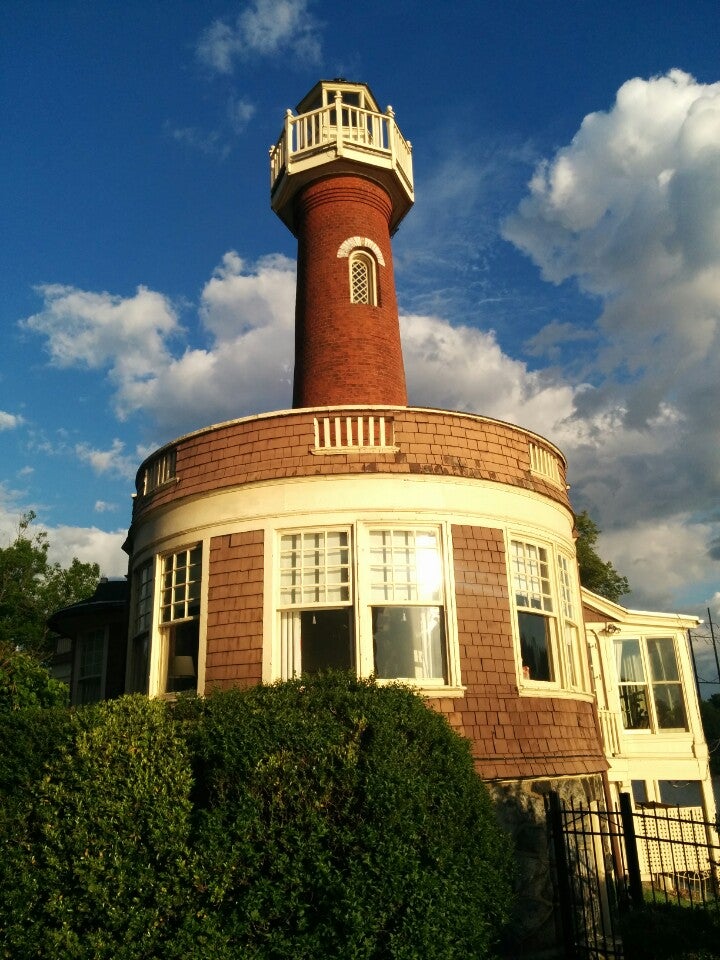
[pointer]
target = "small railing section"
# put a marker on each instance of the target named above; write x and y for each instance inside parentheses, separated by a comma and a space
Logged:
(354, 434)
(160, 470)
(545, 464)
(610, 732)
(374, 134)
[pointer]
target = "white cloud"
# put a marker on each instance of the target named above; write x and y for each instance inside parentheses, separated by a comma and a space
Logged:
(483, 378)
(89, 545)
(659, 556)
(102, 506)
(10, 421)
(240, 112)
(247, 311)
(110, 461)
(630, 210)
(210, 142)
(126, 335)
(262, 28)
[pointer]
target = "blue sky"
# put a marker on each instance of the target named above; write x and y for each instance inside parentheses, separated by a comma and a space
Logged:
(560, 268)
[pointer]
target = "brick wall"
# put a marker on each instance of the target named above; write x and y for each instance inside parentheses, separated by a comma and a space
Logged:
(512, 736)
(345, 352)
(235, 610)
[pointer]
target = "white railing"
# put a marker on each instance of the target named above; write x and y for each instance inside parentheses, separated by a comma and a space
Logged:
(159, 471)
(610, 732)
(375, 134)
(545, 464)
(345, 434)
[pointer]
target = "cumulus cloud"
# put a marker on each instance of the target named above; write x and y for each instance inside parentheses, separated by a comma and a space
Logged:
(247, 314)
(128, 336)
(484, 379)
(9, 421)
(630, 210)
(109, 462)
(262, 28)
(89, 545)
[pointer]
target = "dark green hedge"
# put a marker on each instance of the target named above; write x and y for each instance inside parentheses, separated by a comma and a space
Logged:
(323, 818)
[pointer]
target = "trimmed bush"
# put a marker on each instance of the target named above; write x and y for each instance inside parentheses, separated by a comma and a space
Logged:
(323, 818)
(94, 858)
(340, 819)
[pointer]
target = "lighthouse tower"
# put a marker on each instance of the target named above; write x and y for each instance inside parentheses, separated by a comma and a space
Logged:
(341, 180)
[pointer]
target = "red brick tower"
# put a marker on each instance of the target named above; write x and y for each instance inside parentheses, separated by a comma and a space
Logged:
(342, 182)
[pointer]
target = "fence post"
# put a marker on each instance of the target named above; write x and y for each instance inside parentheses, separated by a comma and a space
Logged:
(631, 854)
(563, 874)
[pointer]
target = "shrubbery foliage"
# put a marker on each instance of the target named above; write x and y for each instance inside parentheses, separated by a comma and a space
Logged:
(323, 818)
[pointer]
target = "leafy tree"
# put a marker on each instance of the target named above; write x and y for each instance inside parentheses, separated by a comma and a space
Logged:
(596, 574)
(26, 683)
(31, 588)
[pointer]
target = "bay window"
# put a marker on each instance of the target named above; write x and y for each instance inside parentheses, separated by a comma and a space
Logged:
(180, 619)
(406, 596)
(649, 684)
(545, 588)
(535, 613)
(364, 599)
(316, 620)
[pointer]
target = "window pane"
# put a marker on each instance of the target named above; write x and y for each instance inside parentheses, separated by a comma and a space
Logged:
(681, 793)
(409, 642)
(566, 587)
(139, 666)
(143, 598)
(639, 791)
(90, 659)
(183, 641)
(629, 661)
(326, 640)
(669, 706)
(633, 700)
(531, 576)
(360, 290)
(663, 664)
(535, 646)
(315, 568)
(406, 566)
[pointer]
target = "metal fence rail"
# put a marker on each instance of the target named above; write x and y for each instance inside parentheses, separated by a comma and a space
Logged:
(610, 862)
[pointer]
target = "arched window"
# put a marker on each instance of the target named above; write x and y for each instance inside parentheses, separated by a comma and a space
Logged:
(363, 278)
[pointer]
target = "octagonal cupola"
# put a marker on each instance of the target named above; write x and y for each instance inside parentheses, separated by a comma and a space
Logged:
(339, 128)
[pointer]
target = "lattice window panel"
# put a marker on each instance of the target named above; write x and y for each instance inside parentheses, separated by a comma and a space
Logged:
(360, 290)
(676, 844)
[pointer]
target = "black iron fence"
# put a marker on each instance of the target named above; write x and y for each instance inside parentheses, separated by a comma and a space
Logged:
(609, 863)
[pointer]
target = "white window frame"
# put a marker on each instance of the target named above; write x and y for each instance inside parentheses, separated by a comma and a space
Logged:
(360, 601)
(543, 581)
(367, 260)
(179, 605)
(648, 684)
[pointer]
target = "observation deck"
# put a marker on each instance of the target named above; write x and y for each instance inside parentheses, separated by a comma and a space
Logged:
(339, 129)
